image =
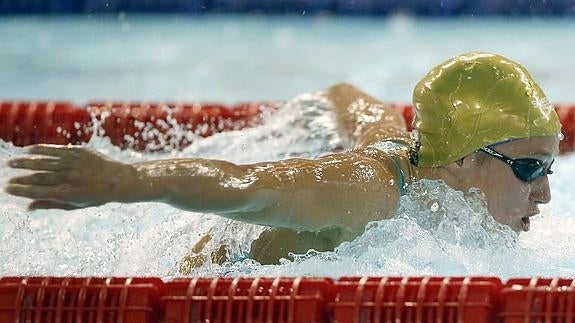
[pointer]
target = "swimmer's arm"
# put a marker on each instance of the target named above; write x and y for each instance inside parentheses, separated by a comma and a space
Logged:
(363, 119)
(345, 190)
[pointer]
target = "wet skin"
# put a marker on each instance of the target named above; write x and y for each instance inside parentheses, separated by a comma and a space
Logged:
(510, 200)
(334, 208)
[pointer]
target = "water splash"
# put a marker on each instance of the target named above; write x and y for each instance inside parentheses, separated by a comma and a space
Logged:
(436, 231)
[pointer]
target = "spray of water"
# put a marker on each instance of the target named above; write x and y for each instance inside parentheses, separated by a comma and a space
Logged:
(436, 231)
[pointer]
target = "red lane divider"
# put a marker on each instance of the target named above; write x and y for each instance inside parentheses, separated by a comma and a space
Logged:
(25, 123)
(139, 126)
(415, 299)
(566, 114)
(538, 300)
(349, 299)
(155, 126)
(247, 300)
(86, 300)
(159, 126)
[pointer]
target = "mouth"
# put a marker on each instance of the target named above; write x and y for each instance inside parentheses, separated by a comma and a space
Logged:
(526, 221)
(525, 224)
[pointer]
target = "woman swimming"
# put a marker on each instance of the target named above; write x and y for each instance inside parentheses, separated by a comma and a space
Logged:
(481, 121)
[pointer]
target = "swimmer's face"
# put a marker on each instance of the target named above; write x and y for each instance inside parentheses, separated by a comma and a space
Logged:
(510, 200)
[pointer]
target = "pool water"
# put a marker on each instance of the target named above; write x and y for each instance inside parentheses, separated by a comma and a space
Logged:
(237, 58)
(182, 58)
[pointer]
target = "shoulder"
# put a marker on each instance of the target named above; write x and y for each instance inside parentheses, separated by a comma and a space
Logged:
(344, 93)
(386, 149)
(393, 155)
(342, 87)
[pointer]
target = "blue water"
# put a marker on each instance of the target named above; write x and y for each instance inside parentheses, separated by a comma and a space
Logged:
(232, 59)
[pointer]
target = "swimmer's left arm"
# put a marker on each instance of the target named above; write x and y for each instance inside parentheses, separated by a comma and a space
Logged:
(362, 119)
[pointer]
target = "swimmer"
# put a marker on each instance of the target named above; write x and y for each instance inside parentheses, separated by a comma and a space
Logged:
(481, 121)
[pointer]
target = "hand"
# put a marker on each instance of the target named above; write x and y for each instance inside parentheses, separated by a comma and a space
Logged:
(69, 177)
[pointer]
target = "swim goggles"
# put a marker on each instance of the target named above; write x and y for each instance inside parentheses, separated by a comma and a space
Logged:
(526, 169)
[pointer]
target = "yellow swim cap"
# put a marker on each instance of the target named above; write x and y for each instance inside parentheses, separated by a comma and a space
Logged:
(474, 100)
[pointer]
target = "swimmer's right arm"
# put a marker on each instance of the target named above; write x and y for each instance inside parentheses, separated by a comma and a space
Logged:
(345, 190)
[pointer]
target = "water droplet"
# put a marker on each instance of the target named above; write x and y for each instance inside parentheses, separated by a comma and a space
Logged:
(539, 122)
(456, 103)
(468, 66)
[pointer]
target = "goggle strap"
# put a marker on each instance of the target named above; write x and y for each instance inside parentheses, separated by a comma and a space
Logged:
(497, 155)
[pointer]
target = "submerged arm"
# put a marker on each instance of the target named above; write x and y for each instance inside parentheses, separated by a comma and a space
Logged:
(342, 190)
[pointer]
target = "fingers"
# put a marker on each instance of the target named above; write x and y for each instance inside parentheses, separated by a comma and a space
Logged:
(55, 150)
(60, 158)
(38, 179)
(47, 204)
(47, 164)
(45, 197)
(38, 192)
(201, 244)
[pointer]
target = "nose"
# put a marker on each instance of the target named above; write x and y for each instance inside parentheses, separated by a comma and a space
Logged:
(540, 191)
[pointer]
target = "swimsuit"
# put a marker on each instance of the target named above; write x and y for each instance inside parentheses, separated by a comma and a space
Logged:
(392, 149)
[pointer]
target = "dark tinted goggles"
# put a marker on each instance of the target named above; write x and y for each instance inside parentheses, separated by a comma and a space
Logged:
(526, 169)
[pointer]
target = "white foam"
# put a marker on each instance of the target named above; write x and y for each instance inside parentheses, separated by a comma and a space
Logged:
(437, 231)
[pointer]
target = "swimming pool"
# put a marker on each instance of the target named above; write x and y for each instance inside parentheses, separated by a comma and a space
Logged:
(178, 58)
